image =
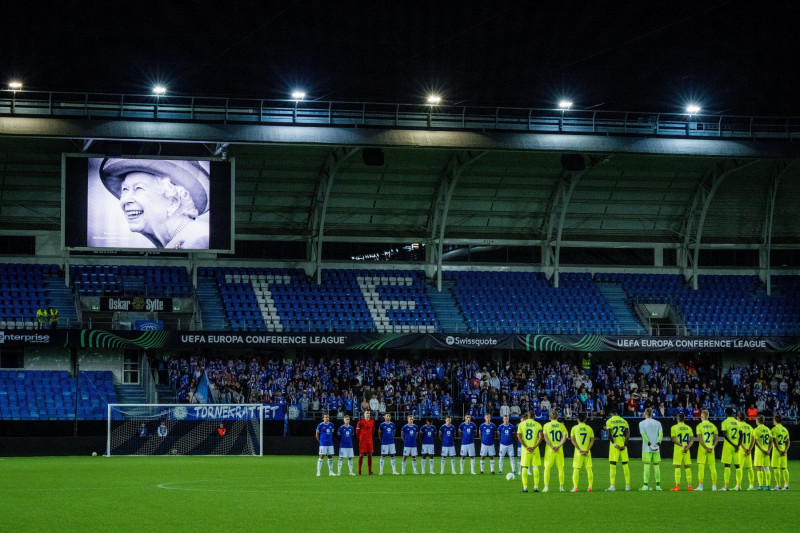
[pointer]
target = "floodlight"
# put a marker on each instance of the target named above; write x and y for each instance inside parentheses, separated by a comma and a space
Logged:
(159, 90)
(692, 109)
(15, 85)
(564, 104)
(434, 99)
(298, 95)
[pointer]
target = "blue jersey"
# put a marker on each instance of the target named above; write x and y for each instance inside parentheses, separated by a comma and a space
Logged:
(346, 436)
(468, 432)
(427, 434)
(506, 434)
(325, 434)
(387, 430)
(448, 435)
(410, 432)
(487, 434)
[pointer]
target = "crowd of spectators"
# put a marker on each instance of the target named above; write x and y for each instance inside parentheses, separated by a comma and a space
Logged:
(435, 387)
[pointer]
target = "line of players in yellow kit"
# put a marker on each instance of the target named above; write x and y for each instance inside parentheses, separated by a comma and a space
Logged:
(743, 446)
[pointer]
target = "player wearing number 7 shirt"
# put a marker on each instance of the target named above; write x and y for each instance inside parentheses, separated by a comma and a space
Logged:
(619, 433)
(555, 436)
(582, 437)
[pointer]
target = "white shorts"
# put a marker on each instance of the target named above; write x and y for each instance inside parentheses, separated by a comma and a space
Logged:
(326, 450)
(448, 451)
(388, 449)
(468, 449)
(427, 449)
(487, 449)
(410, 451)
(507, 450)
(345, 452)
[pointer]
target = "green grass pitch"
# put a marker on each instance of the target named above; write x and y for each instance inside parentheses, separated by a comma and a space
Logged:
(283, 494)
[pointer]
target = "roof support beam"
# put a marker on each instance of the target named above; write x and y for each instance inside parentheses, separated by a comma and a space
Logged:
(86, 144)
(554, 221)
(220, 148)
(319, 204)
(458, 163)
(778, 171)
(701, 202)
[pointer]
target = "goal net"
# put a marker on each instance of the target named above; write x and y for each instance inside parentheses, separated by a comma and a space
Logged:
(185, 429)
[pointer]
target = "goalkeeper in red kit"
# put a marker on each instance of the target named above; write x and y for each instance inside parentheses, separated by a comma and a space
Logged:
(365, 429)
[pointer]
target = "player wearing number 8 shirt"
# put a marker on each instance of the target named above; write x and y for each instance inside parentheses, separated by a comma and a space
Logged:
(529, 434)
(730, 447)
(682, 438)
(780, 449)
(555, 436)
(619, 433)
(708, 437)
(582, 437)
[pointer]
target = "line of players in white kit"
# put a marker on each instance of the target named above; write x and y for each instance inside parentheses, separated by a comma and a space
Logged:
(424, 435)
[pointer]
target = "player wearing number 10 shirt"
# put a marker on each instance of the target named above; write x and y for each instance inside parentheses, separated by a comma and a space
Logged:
(529, 433)
(555, 436)
(619, 433)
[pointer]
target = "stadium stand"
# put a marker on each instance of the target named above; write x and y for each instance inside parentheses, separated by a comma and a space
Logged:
(279, 299)
(24, 288)
(457, 386)
(55, 395)
(525, 302)
(153, 281)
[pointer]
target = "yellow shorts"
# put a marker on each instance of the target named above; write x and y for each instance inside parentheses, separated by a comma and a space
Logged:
(530, 459)
(681, 458)
(554, 458)
(729, 455)
(745, 460)
(778, 460)
(580, 461)
(760, 458)
(704, 457)
(616, 455)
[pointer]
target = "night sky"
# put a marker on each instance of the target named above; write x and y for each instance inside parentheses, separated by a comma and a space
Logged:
(731, 57)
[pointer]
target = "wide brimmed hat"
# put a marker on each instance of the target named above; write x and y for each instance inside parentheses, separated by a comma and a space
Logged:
(189, 174)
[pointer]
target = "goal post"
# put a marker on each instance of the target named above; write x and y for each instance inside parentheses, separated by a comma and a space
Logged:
(185, 429)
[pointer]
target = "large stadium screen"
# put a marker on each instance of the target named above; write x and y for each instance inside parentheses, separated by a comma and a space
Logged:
(147, 204)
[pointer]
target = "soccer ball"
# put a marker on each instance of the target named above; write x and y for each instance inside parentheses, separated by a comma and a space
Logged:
(94, 454)
(510, 476)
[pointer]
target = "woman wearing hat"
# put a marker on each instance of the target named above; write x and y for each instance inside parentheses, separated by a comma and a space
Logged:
(161, 199)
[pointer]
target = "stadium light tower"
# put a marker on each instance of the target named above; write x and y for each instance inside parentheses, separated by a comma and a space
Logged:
(159, 90)
(15, 85)
(692, 109)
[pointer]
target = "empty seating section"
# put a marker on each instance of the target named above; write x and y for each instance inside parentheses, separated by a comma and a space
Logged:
(152, 281)
(53, 394)
(525, 302)
(286, 300)
(22, 293)
(397, 300)
(722, 304)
